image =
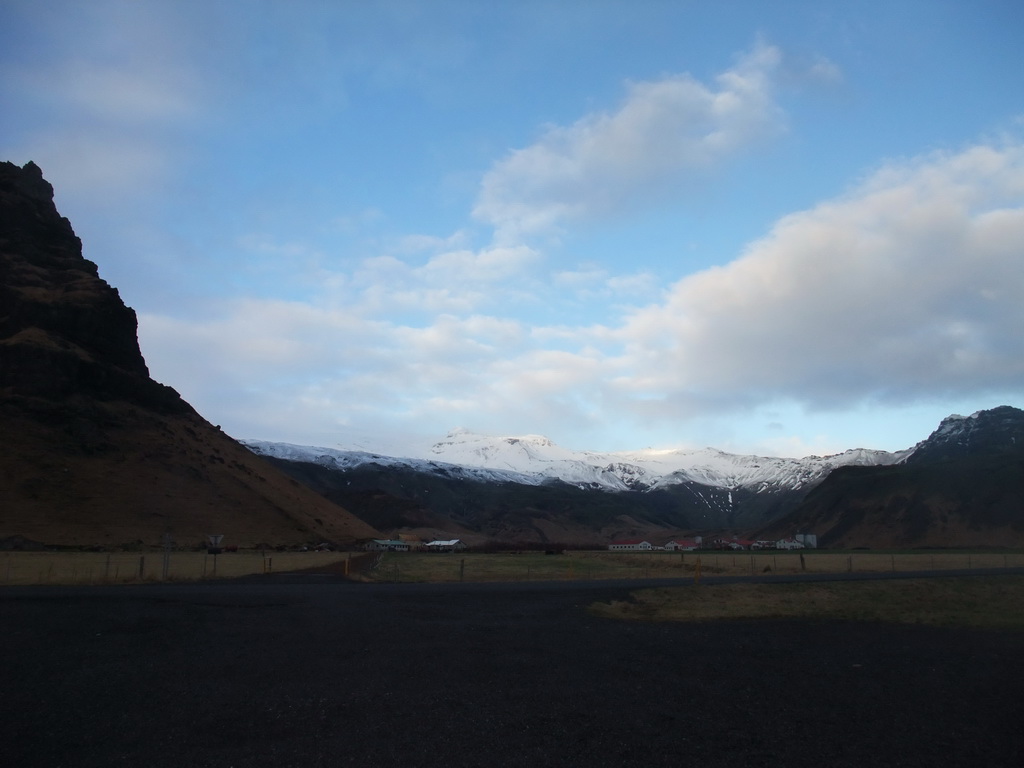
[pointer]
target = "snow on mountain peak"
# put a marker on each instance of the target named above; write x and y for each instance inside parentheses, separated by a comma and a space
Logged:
(535, 459)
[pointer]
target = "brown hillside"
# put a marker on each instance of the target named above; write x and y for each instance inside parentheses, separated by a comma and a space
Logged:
(92, 450)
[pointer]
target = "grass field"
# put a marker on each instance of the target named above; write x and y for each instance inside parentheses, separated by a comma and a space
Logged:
(135, 567)
(586, 565)
(993, 602)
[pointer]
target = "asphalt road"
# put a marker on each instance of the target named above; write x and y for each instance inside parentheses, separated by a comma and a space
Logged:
(314, 671)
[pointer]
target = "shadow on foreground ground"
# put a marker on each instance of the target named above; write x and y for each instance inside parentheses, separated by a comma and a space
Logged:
(314, 671)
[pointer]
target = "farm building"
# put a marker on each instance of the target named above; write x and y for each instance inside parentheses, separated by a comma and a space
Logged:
(809, 540)
(733, 543)
(387, 545)
(682, 545)
(788, 544)
(631, 545)
(445, 545)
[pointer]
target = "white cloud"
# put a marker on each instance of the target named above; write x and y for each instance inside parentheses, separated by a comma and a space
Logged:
(488, 265)
(418, 243)
(910, 286)
(100, 93)
(604, 162)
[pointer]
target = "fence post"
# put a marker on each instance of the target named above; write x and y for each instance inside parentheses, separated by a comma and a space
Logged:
(462, 569)
(892, 561)
(142, 566)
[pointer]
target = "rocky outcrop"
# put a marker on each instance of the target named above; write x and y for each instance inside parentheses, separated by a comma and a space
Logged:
(94, 451)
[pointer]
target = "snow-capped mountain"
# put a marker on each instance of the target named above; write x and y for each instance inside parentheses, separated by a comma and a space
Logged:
(535, 460)
(528, 489)
(995, 430)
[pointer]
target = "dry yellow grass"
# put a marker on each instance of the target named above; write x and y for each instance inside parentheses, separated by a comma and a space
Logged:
(124, 567)
(413, 566)
(128, 567)
(976, 601)
(587, 565)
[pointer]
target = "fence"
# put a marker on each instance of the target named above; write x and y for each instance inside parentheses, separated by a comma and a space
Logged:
(133, 567)
(128, 567)
(583, 565)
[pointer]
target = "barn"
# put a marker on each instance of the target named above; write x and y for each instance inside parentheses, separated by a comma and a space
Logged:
(631, 545)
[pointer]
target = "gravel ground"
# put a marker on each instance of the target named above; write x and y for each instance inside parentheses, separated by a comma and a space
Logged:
(311, 671)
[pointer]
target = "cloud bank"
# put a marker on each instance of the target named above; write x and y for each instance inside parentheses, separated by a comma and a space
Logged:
(907, 287)
(665, 133)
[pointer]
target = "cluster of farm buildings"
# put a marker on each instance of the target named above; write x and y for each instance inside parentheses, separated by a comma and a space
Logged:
(800, 541)
(402, 545)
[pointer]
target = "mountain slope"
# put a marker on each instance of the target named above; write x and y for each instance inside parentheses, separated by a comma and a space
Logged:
(94, 450)
(528, 489)
(962, 486)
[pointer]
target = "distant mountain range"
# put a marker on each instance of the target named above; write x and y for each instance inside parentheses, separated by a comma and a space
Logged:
(535, 460)
(528, 489)
(97, 453)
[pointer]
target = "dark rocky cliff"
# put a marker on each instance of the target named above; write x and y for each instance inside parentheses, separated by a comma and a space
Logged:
(93, 451)
(63, 330)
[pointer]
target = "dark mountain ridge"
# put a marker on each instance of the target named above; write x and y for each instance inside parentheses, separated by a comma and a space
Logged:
(95, 452)
(962, 486)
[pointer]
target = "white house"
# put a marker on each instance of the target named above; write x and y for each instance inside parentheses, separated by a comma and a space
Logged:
(631, 545)
(445, 545)
(788, 544)
(387, 545)
(682, 545)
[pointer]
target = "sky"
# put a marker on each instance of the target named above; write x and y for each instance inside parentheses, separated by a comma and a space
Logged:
(784, 228)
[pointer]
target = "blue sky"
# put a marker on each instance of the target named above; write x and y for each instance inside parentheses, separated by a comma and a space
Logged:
(779, 228)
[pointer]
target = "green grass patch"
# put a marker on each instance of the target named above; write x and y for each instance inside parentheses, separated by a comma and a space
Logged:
(993, 602)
